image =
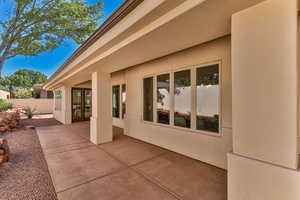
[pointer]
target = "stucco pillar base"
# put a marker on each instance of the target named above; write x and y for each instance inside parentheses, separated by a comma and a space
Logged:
(250, 179)
(101, 120)
(98, 137)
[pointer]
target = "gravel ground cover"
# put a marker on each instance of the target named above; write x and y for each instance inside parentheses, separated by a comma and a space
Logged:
(26, 176)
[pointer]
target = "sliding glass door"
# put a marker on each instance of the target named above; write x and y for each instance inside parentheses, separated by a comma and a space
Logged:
(81, 104)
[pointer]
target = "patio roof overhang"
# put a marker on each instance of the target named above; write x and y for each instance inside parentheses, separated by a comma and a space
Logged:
(150, 30)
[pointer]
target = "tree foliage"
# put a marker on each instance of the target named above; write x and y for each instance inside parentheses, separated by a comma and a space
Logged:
(23, 93)
(5, 105)
(37, 26)
(23, 78)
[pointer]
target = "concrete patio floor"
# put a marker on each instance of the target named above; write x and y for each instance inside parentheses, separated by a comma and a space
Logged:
(125, 169)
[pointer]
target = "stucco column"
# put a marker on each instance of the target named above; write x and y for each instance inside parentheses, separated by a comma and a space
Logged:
(68, 104)
(101, 120)
(265, 103)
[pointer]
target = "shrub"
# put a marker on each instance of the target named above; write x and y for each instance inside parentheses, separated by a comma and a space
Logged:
(29, 112)
(5, 105)
(23, 93)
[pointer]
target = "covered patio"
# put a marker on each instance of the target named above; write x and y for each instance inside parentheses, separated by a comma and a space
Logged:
(124, 169)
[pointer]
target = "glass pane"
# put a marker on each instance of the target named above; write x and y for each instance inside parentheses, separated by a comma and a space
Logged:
(87, 103)
(116, 101)
(148, 99)
(58, 97)
(163, 99)
(208, 98)
(182, 98)
(76, 106)
(123, 100)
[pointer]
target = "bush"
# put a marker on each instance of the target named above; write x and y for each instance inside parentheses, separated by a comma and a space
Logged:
(23, 93)
(5, 105)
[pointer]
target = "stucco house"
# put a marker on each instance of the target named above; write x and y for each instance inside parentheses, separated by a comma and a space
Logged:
(4, 94)
(213, 80)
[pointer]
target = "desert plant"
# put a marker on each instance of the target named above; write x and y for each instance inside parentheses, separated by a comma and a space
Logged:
(5, 105)
(29, 112)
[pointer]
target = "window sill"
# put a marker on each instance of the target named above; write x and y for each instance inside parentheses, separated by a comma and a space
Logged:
(188, 130)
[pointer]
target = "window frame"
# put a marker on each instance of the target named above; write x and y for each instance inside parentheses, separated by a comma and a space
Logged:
(193, 129)
(123, 115)
(153, 100)
(55, 100)
(120, 104)
(121, 98)
(171, 101)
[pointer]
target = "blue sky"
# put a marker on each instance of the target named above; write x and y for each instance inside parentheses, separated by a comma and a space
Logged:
(49, 62)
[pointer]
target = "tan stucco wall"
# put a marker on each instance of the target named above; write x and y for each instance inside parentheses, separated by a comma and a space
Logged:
(263, 165)
(64, 115)
(42, 106)
(254, 180)
(207, 148)
(265, 96)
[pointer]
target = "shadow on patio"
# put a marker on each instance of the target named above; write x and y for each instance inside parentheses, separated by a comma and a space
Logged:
(124, 169)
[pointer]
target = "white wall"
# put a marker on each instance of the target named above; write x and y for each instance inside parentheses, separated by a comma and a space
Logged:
(4, 94)
(42, 106)
(207, 148)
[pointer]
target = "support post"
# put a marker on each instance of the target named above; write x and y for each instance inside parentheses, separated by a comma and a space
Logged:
(264, 162)
(101, 120)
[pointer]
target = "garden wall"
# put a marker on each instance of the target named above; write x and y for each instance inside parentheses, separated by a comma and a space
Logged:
(42, 106)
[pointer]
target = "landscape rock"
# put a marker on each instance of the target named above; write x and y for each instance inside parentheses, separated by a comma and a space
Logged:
(4, 151)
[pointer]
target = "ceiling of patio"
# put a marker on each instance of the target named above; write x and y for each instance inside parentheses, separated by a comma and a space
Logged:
(179, 28)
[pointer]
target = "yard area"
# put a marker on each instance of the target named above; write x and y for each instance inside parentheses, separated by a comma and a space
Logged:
(58, 162)
(26, 175)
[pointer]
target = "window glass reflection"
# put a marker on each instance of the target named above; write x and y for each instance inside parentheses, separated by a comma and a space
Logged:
(116, 101)
(182, 98)
(123, 100)
(208, 98)
(163, 99)
(148, 99)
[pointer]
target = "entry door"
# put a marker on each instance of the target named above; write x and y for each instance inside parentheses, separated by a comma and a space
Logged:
(81, 104)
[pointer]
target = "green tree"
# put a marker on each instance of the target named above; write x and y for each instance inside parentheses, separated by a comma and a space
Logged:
(23, 93)
(22, 78)
(37, 26)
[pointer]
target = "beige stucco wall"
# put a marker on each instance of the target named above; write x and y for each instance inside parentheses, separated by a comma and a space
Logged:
(264, 162)
(207, 148)
(42, 106)
(254, 180)
(64, 115)
(265, 82)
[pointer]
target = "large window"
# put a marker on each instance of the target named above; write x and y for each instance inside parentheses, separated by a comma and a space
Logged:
(163, 99)
(182, 98)
(208, 98)
(148, 99)
(58, 97)
(116, 101)
(188, 98)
